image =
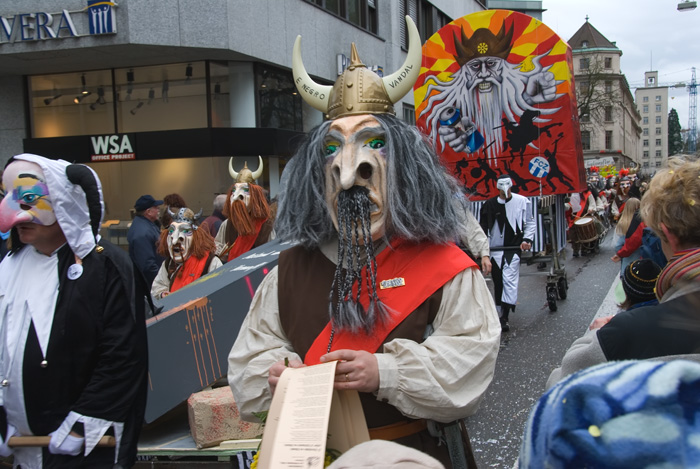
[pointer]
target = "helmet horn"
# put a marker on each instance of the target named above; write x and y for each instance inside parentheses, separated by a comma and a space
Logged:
(401, 82)
(316, 95)
(231, 171)
(258, 172)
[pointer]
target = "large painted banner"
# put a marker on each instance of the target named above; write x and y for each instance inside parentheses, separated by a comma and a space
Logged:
(495, 96)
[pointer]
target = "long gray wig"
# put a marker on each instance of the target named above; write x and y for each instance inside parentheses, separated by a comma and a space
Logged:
(419, 190)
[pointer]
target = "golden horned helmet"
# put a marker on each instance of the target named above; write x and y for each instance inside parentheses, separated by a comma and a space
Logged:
(245, 175)
(359, 90)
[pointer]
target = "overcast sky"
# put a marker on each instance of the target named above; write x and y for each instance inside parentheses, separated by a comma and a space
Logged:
(650, 33)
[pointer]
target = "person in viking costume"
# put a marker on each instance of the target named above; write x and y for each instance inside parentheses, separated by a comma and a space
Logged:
(622, 194)
(248, 221)
(73, 354)
(510, 224)
(376, 280)
(189, 253)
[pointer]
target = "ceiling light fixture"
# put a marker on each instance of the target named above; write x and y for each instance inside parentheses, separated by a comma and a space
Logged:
(164, 91)
(80, 97)
(82, 79)
(101, 95)
(188, 73)
(138, 106)
(151, 95)
(129, 84)
(48, 101)
(217, 91)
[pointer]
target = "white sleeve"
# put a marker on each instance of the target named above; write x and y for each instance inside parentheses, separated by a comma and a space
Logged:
(161, 284)
(474, 239)
(220, 239)
(261, 342)
(445, 377)
(214, 264)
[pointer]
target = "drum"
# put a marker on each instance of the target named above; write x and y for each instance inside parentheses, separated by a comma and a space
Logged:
(585, 231)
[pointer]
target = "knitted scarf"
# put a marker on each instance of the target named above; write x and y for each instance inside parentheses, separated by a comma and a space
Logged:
(683, 266)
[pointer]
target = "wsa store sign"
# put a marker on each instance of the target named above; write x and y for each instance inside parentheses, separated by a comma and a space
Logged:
(112, 148)
(98, 17)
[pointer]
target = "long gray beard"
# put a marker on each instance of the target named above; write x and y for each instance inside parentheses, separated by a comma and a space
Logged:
(345, 309)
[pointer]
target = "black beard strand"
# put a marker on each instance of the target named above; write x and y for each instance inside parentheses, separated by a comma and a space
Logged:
(354, 224)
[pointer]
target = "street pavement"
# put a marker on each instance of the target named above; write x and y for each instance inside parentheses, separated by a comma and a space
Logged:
(535, 346)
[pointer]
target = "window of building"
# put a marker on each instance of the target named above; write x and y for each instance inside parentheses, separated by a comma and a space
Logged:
(658, 164)
(658, 131)
(608, 113)
(646, 164)
(427, 17)
(608, 62)
(645, 120)
(585, 115)
(409, 114)
(608, 87)
(645, 108)
(586, 139)
(584, 63)
(658, 108)
(645, 131)
(658, 142)
(645, 142)
(658, 98)
(608, 139)
(645, 154)
(584, 43)
(139, 99)
(651, 80)
(645, 99)
(658, 119)
(362, 13)
(658, 153)
(279, 104)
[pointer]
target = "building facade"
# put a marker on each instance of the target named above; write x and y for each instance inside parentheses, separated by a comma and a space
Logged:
(529, 7)
(652, 104)
(610, 122)
(156, 96)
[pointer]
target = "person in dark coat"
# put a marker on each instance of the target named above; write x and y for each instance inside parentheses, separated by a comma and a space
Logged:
(214, 220)
(74, 355)
(143, 237)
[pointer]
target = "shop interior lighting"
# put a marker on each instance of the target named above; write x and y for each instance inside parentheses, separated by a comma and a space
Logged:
(85, 90)
(151, 95)
(101, 95)
(138, 106)
(129, 84)
(217, 91)
(48, 101)
(80, 97)
(164, 91)
(188, 73)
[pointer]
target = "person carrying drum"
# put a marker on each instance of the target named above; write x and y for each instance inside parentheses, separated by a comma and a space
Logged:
(583, 224)
(510, 224)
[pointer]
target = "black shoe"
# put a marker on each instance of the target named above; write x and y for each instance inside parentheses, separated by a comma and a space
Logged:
(575, 254)
(504, 325)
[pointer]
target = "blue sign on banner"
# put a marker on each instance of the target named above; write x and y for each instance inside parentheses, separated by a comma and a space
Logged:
(102, 18)
(539, 167)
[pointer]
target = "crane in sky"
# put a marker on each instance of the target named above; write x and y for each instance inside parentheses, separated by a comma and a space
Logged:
(692, 117)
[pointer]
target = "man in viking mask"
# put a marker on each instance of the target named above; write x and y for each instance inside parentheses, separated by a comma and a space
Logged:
(376, 281)
(509, 222)
(622, 194)
(188, 251)
(73, 355)
(248, 221)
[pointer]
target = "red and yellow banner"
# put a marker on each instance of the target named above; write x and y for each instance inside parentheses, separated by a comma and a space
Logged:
(496, 96)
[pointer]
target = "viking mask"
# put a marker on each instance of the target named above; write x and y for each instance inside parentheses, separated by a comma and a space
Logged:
(180, 234)
(355, 157)
(241, 192)
(27, 199)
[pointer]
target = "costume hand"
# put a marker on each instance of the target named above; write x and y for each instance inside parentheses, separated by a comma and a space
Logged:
(5, 450)
(164, 294)
(485, 265)
(276, 371)
(600, 322)
(525, 246)
(71, 444)
(455, 137)
(356, 369)
(615, 258)
(541, 88)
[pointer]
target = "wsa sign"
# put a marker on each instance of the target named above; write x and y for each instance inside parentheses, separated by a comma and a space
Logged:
(112, 148)
(97, 18)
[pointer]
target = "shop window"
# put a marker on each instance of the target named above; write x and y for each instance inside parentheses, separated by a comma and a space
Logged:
(279, 103)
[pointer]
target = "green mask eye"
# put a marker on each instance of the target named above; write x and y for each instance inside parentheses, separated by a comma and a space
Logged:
(331, 148)
(376, 143)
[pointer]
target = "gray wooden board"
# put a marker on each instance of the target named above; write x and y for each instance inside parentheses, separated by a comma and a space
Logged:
(189, 342)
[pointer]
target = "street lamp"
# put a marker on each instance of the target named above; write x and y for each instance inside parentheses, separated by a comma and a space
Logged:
(687, 6)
